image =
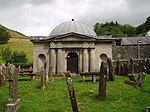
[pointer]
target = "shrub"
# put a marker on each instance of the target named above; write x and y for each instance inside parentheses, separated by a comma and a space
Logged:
(23, 65)
(19, 57)
(13, 57)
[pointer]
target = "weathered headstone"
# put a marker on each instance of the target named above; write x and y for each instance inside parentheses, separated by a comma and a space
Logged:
(110, 70)
(43, 79)
(3, 74)
(141, 66)
(118, 67)
(131, 66)
(13, 101)
(122, 70)
(147, 65)
(71, 92)
(102, 82)
(140, 80)
(126, 69)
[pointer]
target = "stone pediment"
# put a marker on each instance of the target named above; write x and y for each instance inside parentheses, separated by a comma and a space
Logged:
(72, 37)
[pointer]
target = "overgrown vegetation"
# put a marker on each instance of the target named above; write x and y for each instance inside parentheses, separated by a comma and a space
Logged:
(55, 98)
(115, 29)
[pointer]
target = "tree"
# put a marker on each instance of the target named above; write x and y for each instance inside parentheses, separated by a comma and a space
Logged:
(140, 30)
(6, 54)
(128, 30)
(147, 24)
(4, 36)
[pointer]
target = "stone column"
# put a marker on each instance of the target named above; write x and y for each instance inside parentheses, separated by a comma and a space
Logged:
(80, 61)
(85, 60)
(92, 60)
(64, 68)
(59, 61)
(53, 61)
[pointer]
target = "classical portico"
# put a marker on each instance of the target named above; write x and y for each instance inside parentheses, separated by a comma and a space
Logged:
(71, 46)
(84, 54)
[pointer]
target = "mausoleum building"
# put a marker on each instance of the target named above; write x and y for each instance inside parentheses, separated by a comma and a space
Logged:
(71, 46)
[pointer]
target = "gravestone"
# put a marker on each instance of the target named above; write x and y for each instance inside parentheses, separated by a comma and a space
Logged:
(147, 65)
(102, 82)
(141, 66)
(122, 70)
(13, 100)
(118, 67)
(3, 74)
(140, 80)
(131, 66)
(126, 69)
(71, 92)
(43, 79)
(110, 70)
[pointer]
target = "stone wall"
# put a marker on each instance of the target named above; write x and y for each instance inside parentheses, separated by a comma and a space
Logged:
(130, 51)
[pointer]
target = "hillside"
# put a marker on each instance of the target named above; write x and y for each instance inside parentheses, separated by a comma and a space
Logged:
(13, 33)
(18, 42)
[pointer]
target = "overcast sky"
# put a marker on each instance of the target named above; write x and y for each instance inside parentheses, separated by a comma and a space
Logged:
(39, 17)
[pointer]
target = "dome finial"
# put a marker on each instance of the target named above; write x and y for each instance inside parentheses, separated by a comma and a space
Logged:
(72, 19)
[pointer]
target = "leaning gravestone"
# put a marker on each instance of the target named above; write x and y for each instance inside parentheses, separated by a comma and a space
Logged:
(102, 82)
(13, 100)
(71, 92)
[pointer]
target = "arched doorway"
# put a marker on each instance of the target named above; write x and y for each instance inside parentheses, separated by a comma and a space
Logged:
(72, 62)
(41, 62)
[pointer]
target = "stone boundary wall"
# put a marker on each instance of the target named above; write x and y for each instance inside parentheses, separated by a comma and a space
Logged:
(130, 51)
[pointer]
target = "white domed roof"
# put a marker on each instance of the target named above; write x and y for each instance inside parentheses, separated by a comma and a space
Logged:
(72, 26)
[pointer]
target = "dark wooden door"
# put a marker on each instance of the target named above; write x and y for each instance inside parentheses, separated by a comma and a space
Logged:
(72, 62)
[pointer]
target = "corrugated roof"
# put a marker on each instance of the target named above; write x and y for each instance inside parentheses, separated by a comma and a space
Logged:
(135, 40)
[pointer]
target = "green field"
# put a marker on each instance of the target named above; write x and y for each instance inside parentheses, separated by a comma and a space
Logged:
(20, 44)
(55, 98)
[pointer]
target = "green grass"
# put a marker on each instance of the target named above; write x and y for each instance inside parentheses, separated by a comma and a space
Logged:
(19, 44)
(55, 98)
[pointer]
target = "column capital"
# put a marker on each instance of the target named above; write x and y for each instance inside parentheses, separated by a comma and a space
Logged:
(92, 45)
(52, 45)
(59, 45)
(85, 45)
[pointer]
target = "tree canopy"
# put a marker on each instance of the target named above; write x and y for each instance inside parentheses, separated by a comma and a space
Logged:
(115, 29)
(4, 36)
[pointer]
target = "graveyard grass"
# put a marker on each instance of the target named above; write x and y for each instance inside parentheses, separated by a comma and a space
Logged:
(55, 98)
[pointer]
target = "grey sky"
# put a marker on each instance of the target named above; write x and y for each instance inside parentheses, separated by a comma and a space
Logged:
(39, 17)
